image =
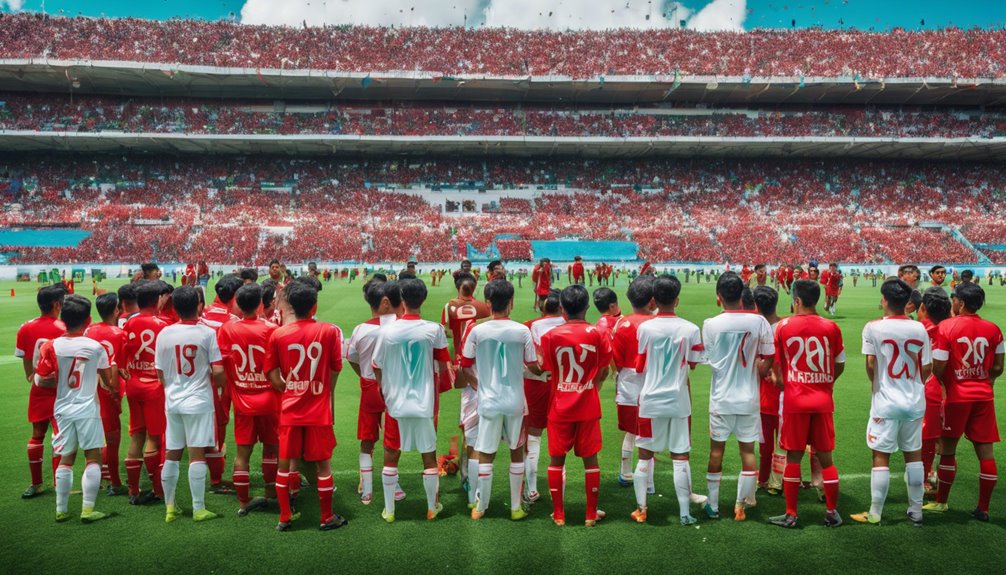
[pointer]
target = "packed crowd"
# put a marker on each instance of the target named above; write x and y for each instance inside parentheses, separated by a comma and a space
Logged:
(234, 209)
(496, 51)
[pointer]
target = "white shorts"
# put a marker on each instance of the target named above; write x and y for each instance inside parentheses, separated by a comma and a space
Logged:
(746, 428)
(890, 435)
(468, 416)
(78, 434)
(660, 434)
(417, 434)
(509, 428)
(190, 430)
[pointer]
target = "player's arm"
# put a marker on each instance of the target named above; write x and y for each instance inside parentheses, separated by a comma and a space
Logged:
(997, 367)
(105, 380)
(160, 377)
(217, 375)
(45, 374)
(276, 379)
(871, 368)
(29, 369)
(356, 367)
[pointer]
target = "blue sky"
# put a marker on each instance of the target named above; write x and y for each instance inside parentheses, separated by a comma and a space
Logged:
(862, 14)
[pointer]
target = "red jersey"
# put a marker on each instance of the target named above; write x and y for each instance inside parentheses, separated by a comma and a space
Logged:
(807, 349)
(169, 315)
(625, 342)
(113, 339)
(934, 391)
(969, 345)
(746, 274)
(577, 270)
(458, 314)
(32, 334)
(574, 353)
(305, 352)
(831, 282)
(542, 278)
(242, 344)
(608, 322)
(138, 351)
(216, 315)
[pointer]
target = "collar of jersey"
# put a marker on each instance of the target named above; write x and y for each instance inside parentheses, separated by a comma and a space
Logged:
(737, 311)
(898, 316)
(411, 316)
(665, 314)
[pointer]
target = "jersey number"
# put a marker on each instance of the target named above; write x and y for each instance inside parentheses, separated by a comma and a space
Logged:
(185, 356)
(76, 372)
(248, 358)
(906, 360)
(817, 353)
(313, 353)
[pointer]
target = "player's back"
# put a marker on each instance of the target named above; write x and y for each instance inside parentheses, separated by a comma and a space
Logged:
(608, 322)
(734, 341)
(216, 315)
(500, 349)
(185, 351)
(574, 353)
(458, 314)
(668, 347)
(901, 346)
(243, 347)
(969, 345)
(110, 337)
(807, 349)
(34, 333)
(306, 352)
(141, 332)
(405, 354)
(76, 361)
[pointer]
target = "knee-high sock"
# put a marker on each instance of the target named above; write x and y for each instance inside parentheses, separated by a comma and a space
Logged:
(473, 478)
(294, 484)
(555, 489)
(592, 484)
(197, 484)
(36, 450)
(326, 488)
(64, 483)
(639, 479)
(367, 474)
(987, 478)
(283, 495)
(431, 483)
(169, 480)
(242, 484)
(215, 462)
(880, 481)
(628, 442)
(946, 471)
(829, 477)
(153, 463)
(650, 485)
(531, 463)
(270, 463)
(775, 479)
(516, 481)
(485, 486)
(682, 485)
(389, 479)
(746, 484)
(713, 485)
(110, 457)
(89, 484)
(765, 450)
(55, 465)
(791, 487)
(133, 469)
(928, 455)
(915, 477)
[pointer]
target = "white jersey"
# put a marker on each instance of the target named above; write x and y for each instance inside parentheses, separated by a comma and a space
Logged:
(78, 360)
(538, 329)
(184, 353)
(734, 341)
(405, 352)
(499, 350)
(668, 345)
(901, 346)
(361, 344)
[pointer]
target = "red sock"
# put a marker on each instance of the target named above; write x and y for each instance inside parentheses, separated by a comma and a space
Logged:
(555, 489)
(765, 451)
(110, 457)
(241, 485)
(35, 452)
(294, 484)
(592, 481)
(946, 472)
(283, 496)
(325, 489)
(55, 464)
(215, 463)
(928, 456)
(987, 478)
(830, 476)
(791, 487)
(270, 453)
(153, 463)
(133, 467)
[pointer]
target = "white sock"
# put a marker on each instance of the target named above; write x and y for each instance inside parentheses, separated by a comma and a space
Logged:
(473, 478)
(367, 473)
(915, 477)
(628, 442)
(880, 481)
(64, 484)
(516, 481)
(650, 486)
(431, 483)
(389, 479)
(169, 480)
(639, 481)
(713, 484)
(746, 484)
(485, 483)
(682, 485)
(90, 482)
(531, 463)
(197, 484)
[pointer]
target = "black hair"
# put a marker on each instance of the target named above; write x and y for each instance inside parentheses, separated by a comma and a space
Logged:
(186, 301)
(393, 291)
(759, 267)
(729, 287)
(149, 267)
(967, 275)
(574, 300)
(274, 261)
(766, 299)
(247, 274)
(640, 291)
(908, 268)
(897, 293)
(268, 293)
(808, 292)
(462, 278)
(747, 299)
(551, 305)
(916, 299)
(413, 292)
(76, 311)
(147, 294)
(310, 281)
(106, 304)
(373, 293)
(379, 277)
(971, 295)
(127, 293)
(937, 304)
(499, 293)
(666, 289)
(249, 297)
(164, 287)
(302, 298)
(407, 275)
(493, 264)
(935, 269)
(604, 298)
(227, 286)
(49, 296)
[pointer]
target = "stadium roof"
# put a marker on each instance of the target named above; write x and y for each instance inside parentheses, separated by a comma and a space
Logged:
(958, 149)
(144, 79)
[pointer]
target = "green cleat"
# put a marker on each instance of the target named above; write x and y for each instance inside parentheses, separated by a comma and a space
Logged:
(431, 514)
(90, 516)
(203, 515)
(935, 507)
(388, 517)
(865, 517)
(172, 513)
(518, 514)
(61, 517)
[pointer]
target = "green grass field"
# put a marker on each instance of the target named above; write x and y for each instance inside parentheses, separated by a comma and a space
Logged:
(138, 541)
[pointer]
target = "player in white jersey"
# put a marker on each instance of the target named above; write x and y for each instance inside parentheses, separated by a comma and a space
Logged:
(493, 360)
(72, 364)
(189, 364)
(409, 358)
(669, 347)
(536, 392)
(739, 347)
(898, 360)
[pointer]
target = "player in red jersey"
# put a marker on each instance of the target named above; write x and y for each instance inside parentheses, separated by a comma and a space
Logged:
(770, 464)
(577, 355)
(832, 281)
(576, 271)
(30, 338)
(759, 277)
(462, 310)
(167, 311)
(127, 303)
(112, 338)
(541, 275)
(537, 395)
(746, 274)
(606, 302)
(967, 359)
(934, 309)
(810, 356)
(144, 393)
(303, 360)
(256, 404)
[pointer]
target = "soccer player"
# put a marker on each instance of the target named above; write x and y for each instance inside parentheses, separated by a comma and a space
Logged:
(740, 349)
(898, 362)
(938, 275)
(809, 358)
(832, 281)
(31, 336)
(967, 359)
(494, 357)
(302, 361)
(760, 277)
(606, 302)
(144, 394)
(669, 347)
(541, 275)
(576, 271)
(766, 302)
(409, 358)
(625, 350)
(127, 303)
(243, 347)
(72, 364)
(188, 365)
(112, 338)
(935, 309)
(538, 395)
(577, 356)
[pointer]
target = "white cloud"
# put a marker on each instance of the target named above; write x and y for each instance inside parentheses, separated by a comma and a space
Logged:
(366, 12)
(13, 5)
(577, 14)
(720, 15)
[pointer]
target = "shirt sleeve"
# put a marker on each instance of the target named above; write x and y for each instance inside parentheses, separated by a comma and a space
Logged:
(547, 359)
(839, 345)
(868, 347)
(47, 364)
(103, 361)
(224, 345)
(335, 364)
(696, 350)
(604, 352)
(160, 353)
(271, 353)
(353, 348)
(468, 351)
(213, 350)
(1001, 347)
(926, 353)
(440, 352)
(941, 345)
(21, 344)
(641, 350)
(378, 358)
(766, 341)
(530, 354)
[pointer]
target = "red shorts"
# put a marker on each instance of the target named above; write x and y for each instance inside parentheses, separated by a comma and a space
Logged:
(802, 429)
(41, 401)
(628, 416)
(368, 426)
(583, 437)
(147, 415)
(110, 405)
(537, 395)
(392, 438)
(974, 419)
(252, 429)
(932, 421)
(307, 442)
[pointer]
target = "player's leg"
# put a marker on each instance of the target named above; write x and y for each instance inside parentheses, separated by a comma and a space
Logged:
(156, 421)
(746, 481)
(490, 431)
(112, 427)
(560, 441)
(955, 419)
(389, 475)
(639, 484)
(90, 482)
(169, 481)
(829, 474)
(36, 451)
(64, 443)
(714, 475)
(793, 437)
(198, 470)
(291, 447)
(517, 511)
(766, 448)
(326, 488)
(242, 474)
(915, 475)
(431, 483)
(627, 421)
(366, 471)
(880, 480)
(216, 455)
(987, 479)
